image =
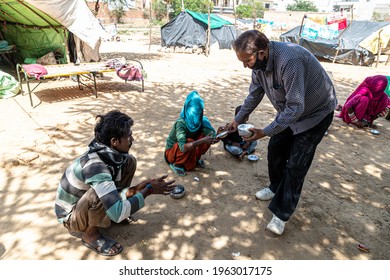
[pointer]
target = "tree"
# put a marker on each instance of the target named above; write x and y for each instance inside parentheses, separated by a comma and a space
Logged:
(380, 17)
(118, 13)
(302, 5)
(200, 6)
(245, 10)
(160, 9)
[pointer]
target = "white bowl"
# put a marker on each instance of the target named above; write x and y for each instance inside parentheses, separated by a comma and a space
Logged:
(243, 129)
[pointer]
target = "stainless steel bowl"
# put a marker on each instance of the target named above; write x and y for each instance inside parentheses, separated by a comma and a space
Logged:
(178, 192)
(243, 129)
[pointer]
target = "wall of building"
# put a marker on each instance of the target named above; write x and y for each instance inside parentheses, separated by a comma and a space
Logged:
(133, 17)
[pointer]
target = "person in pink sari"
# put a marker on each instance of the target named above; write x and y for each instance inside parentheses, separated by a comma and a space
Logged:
(368, 102)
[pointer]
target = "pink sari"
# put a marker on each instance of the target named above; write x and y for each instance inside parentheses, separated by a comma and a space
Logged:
(368, 100)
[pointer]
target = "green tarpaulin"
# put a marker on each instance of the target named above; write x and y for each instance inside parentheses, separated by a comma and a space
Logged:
(33, 32)
(215, 21)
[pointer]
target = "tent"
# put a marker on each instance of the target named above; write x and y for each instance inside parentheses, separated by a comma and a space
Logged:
(189, 29)
(38, 27)
(356, 45)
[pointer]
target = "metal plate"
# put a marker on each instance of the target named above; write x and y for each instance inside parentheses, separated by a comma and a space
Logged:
(375, 132)
(222, 134)
(253, 158)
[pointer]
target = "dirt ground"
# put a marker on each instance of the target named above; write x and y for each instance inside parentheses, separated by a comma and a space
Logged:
(345, 199)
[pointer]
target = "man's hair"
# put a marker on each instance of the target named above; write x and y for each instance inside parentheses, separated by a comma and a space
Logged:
(114, 124)
(250, 42)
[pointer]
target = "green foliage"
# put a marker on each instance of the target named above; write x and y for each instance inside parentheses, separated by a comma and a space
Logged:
(200, 6)
(302, 5)
(159, 8)
(246, 10)
(378, 17)
(118, 13)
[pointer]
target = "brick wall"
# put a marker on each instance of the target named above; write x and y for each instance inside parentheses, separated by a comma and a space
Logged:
(134, 17)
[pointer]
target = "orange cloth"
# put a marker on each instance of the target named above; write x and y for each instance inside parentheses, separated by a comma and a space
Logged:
(188, 159)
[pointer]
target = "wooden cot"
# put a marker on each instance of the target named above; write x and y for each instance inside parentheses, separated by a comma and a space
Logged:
(89, 71)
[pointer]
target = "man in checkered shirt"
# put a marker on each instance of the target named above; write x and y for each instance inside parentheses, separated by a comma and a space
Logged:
(304, 97)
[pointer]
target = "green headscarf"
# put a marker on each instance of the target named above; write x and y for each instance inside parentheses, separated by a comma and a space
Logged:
(192, 113)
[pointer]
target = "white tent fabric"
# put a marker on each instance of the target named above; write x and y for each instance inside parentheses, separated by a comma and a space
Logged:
(371, 42)
(75, 16)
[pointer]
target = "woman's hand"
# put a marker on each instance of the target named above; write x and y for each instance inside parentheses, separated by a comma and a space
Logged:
(359, 124)
(209, 140)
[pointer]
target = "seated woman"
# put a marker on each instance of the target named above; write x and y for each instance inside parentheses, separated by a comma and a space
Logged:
(235, 144)
(190, 137)
(367, 102)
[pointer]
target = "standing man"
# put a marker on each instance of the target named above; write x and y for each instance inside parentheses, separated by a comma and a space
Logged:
(304, 97)
(95, 188)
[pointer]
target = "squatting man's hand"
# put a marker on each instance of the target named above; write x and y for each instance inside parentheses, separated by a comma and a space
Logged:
(159, 186)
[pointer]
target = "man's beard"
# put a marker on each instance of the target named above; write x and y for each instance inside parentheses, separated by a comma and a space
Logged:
(260, 64)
